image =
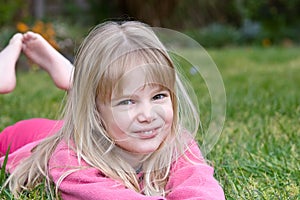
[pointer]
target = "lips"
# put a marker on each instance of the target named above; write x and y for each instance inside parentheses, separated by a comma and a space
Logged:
(147, 133)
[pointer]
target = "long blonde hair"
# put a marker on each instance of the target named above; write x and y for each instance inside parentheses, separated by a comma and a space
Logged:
(101, 60)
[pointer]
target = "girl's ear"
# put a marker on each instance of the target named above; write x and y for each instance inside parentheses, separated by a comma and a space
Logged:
(99, 115)
(97, 104)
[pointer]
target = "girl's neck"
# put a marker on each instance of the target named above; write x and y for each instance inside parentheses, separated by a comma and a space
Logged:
(134, 159)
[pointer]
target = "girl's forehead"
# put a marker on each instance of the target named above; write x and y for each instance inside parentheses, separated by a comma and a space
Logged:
(134, 80)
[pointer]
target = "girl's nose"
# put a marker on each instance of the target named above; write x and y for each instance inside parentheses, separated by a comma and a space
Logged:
(146, 113)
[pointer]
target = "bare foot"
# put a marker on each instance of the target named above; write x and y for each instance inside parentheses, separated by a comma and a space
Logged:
(8, 58)
(42, 53)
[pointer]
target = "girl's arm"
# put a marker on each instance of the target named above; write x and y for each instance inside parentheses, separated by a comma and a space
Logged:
(187, 180)
(88, 183)
(193, 181)
(27, 131)
(22, 136)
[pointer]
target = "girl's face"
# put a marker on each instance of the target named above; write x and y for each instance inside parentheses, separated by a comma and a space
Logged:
(139, 116)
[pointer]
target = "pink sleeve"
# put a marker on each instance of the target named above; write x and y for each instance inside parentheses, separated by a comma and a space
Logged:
(193, 181)
(25, 132)
(17, 156)
(88, 183)
(22, 137)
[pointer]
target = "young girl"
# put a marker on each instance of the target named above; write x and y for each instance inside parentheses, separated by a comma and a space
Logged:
(122, 135)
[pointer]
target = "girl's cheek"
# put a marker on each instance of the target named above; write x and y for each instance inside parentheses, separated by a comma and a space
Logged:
(166, 112)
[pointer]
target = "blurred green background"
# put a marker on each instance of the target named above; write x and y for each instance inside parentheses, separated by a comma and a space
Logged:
(212, 23)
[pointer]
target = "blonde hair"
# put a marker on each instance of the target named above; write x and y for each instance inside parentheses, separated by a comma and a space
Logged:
(101, 60)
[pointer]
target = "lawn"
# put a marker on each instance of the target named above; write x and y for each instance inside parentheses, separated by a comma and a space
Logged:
(257, 155)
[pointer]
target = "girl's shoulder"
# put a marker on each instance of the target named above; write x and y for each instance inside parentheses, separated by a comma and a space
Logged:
(191, 147)
(191, 156)
(15, 158)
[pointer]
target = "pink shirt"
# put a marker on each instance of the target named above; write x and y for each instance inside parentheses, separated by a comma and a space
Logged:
(186, 181)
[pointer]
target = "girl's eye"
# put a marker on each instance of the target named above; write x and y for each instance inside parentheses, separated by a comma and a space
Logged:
(159, 96)
(126, 102)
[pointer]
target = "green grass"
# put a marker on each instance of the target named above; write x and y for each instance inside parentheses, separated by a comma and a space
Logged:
(34, 96)
(257, 155)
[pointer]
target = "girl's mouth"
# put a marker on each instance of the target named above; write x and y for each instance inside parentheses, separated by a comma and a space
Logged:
(147, 134)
